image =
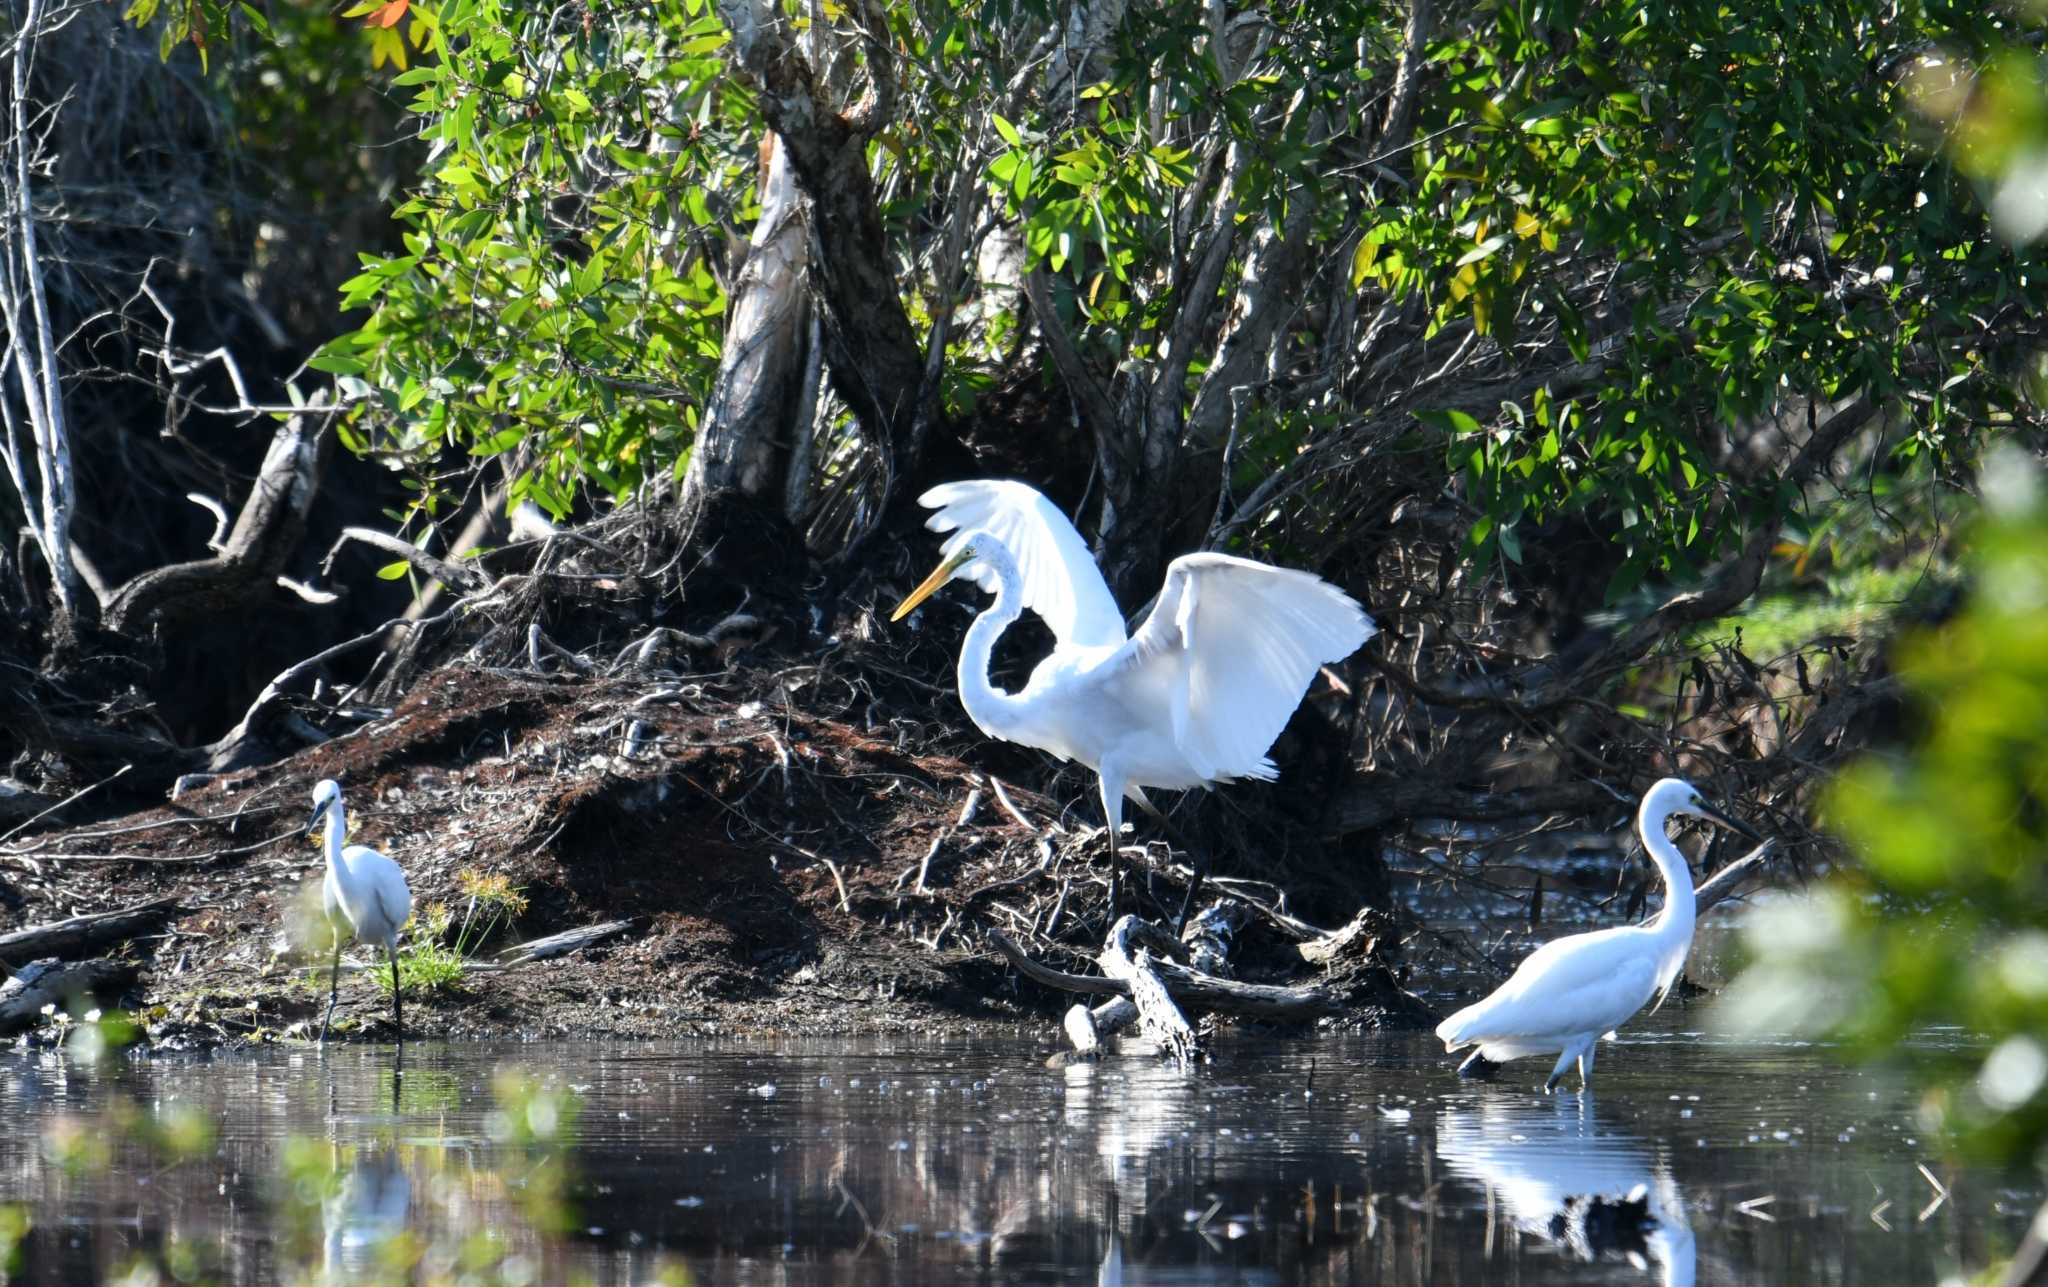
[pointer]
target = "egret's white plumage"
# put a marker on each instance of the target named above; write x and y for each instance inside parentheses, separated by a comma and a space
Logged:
(1545, 1169)
(1196, 697)
(1569, 993)
(364, 890)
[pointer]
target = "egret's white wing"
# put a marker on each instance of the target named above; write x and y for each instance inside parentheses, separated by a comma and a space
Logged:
(1235, 644)
(1061, 582)
(385, 880)
(1584, 983)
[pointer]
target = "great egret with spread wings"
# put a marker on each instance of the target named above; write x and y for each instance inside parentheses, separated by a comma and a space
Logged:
(1197, 696)
(1572, 991)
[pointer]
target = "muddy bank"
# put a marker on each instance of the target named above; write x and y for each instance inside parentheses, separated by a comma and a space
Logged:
(782, 857)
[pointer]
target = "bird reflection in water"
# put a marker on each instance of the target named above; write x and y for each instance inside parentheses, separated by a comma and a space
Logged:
(364, 1216)
(1561, 1179)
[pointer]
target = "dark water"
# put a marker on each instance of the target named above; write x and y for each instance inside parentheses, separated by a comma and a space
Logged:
(886, 1159)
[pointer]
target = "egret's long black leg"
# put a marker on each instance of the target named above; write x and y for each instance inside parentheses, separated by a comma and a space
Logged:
(397, 1010)
(1187, 904)
(333, 990)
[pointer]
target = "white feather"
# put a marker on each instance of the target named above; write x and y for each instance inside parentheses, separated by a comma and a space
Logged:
(1570, 992)
(1197, 696)
(1060, 580)
(1235, 644)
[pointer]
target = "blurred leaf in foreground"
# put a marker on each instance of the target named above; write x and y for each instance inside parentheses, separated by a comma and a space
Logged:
(1944, 920)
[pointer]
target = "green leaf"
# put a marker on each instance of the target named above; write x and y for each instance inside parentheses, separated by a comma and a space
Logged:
(394, 571)
(1451, 421)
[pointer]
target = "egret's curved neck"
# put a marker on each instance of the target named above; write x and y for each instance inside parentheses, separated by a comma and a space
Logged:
(337, 831)
(991, 709)
(1676, 920)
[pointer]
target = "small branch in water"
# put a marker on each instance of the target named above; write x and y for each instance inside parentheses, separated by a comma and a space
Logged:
(1189, 987)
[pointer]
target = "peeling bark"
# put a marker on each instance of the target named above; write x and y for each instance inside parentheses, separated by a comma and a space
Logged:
(756, 420)
(876, 361)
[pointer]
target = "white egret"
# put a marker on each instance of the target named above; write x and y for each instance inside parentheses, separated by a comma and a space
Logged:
(1196, 697)
(364, 890)
(1569, 993)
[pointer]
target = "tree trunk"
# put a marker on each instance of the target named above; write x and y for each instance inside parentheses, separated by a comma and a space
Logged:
(757, 423)
(873, 352)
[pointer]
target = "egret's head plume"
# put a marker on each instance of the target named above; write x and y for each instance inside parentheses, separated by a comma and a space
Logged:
(945, 572)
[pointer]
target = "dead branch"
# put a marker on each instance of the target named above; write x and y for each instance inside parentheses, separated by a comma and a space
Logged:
(1126, 957)
(57, 983)
(1200, 991)
(569, 941)
(454, 575)
(63, 940)
(266, 533)
(244, 744)
(1721, 886)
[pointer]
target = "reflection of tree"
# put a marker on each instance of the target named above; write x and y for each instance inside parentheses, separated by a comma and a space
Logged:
(1561, 1179)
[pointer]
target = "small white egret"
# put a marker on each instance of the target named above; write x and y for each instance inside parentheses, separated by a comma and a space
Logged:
(364, 890)
(1569, 993)
(1196, 697)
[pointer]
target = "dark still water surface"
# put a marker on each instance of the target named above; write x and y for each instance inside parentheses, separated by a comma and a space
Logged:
(880, 1160)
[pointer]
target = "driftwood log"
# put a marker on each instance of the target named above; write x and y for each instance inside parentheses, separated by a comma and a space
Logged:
(53, 982)
(1128, 956)
(82, 935)
(568, 941)
(1184, 984)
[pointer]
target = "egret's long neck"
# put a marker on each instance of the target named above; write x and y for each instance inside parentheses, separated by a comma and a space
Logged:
(1675, 921)
(991, 709)
(337, 831)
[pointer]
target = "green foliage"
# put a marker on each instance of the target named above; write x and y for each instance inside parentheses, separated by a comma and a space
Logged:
(1946, 921)
(1759, 225)
(425, 963)
(1675, 229)
(558, 296)
(437, 949)
(14, 1227)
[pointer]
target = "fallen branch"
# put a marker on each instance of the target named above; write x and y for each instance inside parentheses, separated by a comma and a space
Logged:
(453, 575)
(1125, 956)
(241, 746)
(1188, 987)
(568, 941)
(48, 982)
(66, 939)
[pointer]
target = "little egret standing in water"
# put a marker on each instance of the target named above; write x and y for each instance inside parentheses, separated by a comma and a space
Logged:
(1568, 994)
(364, 889)
(1196, 697)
